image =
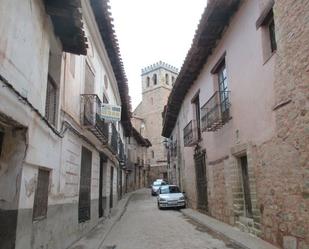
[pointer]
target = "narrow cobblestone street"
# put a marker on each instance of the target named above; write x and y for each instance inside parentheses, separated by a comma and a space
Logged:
(143, 226)
(104, 103)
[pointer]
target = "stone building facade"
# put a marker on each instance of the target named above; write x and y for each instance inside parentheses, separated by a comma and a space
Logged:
(137, 169)
(283, 165)
(62, 167)
(244, 86)
(157, 83)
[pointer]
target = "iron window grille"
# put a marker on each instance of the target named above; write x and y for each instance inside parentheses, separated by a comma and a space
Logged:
(190, 134)
(216, 111)
(114, 139)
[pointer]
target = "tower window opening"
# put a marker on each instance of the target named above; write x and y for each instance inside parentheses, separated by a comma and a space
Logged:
(154, 79)
(166, 79)
(148, 81)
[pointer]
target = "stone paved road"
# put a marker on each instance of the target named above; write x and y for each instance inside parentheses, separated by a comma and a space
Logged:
(144, 226)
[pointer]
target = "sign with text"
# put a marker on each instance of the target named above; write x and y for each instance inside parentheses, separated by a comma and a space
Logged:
(110, 112)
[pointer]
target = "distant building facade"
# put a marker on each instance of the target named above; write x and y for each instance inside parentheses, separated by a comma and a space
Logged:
(237, 119)
(137, 169)
(157, 83)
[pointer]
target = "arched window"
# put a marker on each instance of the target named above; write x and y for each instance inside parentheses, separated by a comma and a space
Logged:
(148, 81)
(152, 154)
(166, 79)
(154, 78)
(173, 80)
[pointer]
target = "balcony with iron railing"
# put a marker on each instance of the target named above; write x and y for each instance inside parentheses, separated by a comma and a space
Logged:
(121, 154)
(190, 134)
(114, 139)
(91, 118)
(216, 111)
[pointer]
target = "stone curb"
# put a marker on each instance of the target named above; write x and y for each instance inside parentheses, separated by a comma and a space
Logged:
(102, 229)
(239, 238)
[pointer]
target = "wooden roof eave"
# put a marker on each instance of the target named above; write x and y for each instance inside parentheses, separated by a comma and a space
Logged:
(67, 21)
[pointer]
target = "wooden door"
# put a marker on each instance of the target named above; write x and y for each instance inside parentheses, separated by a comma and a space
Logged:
(111, 188)
(103, 160)
(85, 186)
(201, 180)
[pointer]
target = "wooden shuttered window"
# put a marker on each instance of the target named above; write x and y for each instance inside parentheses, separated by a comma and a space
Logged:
(89, 80)
(51, 101)
(85, 186)
(41, 195)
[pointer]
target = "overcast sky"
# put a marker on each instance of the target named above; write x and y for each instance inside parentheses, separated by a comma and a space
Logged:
(152, 30)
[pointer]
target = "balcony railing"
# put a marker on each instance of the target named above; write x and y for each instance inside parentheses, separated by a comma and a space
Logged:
(216, 111)
(190, 134)
(121, 150)
(90, 117)
(114, 139)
